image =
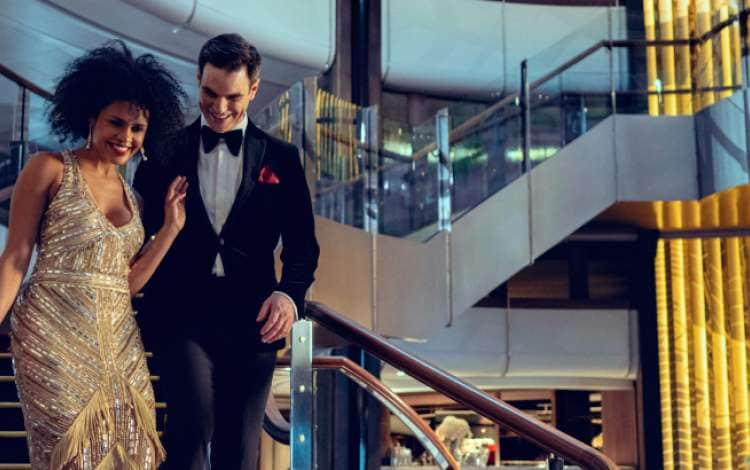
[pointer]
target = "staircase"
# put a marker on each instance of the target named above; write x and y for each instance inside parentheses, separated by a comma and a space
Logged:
(623, 158)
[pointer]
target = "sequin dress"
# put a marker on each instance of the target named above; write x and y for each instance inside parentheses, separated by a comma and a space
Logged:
(80, 367)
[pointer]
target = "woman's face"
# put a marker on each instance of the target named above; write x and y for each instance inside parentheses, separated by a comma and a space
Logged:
(118, 131)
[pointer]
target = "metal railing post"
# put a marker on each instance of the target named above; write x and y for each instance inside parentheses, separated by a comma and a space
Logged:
(302, 438)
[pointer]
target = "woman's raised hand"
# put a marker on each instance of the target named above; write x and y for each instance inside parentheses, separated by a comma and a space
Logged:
(174, 204)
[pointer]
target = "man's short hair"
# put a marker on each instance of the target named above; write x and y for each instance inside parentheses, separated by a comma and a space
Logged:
(230, 52)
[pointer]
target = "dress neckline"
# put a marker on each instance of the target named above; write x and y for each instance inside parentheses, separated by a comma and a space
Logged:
(90, 197)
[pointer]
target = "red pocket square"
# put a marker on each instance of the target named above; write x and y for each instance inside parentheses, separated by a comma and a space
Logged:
(267, 176)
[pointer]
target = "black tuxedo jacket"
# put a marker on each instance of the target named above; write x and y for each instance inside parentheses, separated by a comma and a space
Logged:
(262, 213)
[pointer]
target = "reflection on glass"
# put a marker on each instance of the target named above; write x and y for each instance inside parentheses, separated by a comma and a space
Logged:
(487, 158)
(599, 28)
(40, 137)
(408, 195)
(347, 161)
(569, 104)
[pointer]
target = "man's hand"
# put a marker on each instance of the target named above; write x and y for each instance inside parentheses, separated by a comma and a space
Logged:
(278, 313)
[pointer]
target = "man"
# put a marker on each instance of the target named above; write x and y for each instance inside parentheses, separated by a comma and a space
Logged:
(214, 313)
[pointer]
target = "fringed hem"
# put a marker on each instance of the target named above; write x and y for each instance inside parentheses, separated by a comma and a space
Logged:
(97, 416)
(117, 459)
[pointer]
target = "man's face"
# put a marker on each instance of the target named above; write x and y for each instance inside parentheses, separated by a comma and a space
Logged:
(224, 96)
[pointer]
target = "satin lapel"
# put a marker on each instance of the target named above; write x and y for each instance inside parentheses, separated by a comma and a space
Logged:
(188, 166)
(253, 156)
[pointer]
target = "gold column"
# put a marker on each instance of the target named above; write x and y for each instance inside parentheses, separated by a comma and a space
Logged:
(736, 47)
(651, 65)
(721, 13)
(318, 136)
(338, 115)
(705, 59)
(665, 363)
(700, 342)
(737, 353)
(666, 32)
(722, 443)
(680, 332)
(683, 66)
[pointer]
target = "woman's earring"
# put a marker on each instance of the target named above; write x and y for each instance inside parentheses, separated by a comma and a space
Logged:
(143, 154)
(90, 139)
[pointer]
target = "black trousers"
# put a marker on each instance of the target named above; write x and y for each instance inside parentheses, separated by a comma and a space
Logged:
(216, 390)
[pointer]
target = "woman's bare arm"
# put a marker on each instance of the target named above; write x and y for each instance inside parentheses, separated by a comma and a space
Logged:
(35, 187)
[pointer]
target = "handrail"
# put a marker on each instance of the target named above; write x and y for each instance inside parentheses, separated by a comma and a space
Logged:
(6, 192)
(276, 424)
(22, 82)
(488, 406)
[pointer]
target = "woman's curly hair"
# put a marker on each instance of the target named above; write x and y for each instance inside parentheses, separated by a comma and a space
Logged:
(110, 73)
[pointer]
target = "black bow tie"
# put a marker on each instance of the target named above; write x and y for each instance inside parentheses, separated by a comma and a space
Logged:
(210, 138)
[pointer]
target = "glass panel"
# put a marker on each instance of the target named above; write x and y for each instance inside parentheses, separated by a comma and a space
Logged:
(486, 158)
(569, 104)
(397, 139)
(402, 443)
(40, 137)
(282, 118)
(347, 152)
(408, 197)
(342, 202)
(598, 29)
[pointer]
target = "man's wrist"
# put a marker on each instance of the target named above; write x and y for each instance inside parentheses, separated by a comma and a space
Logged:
(291, 301)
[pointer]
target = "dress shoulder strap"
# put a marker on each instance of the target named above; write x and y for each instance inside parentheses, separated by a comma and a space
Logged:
(70, 169)
(67, 157)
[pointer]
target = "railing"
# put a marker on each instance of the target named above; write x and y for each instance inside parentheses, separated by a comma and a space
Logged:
(25, 123)
(499, 412)
(425, 167)
(401, 194)
(278, 428)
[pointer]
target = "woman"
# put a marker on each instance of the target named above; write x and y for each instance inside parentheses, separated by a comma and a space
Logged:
(80, 367)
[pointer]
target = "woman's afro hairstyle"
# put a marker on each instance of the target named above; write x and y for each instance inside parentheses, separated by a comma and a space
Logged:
(110, 73)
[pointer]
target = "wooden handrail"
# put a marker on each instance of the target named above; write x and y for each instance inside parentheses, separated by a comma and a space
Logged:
(20, 81)
(482, 403)
(373, 386)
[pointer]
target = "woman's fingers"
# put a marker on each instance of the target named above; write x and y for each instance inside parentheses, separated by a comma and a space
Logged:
(178, 189)
(182, 188)
(178, 185)
(173, 187)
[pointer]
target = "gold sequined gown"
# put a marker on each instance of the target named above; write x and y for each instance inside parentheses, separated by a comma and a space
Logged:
(80, 367)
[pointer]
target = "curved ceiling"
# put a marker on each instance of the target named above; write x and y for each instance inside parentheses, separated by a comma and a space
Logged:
(424, 46)
(458, 48)
(47, 34)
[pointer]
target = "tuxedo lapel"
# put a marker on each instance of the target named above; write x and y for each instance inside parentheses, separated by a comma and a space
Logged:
(254, 152)
(188, 166)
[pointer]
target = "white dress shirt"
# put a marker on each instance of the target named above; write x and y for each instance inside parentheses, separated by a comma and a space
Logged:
(220, 176)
